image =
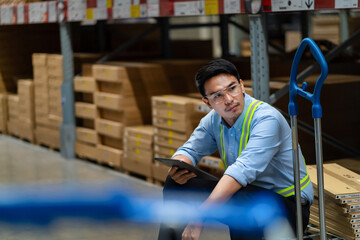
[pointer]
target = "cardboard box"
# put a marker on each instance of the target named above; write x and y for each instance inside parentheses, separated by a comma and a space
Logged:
(171, 134)
(124, 88)
(39, 59)
(138, 153)
(138, 143)
(26, 99)
(292, 40)
(160, 171)
(13, 106)
(128, 117)
(54, 121)
(13, 127)
(3, 113)
(85, 110)
(40, 74)
(117, 143)
(86, 135)
(55, 65)
(109, 128)
(168, 152)
(144, 132)
(185, 126)
(109, 155)
(26, 130)
(47, 136)
(168, 142)
(212, 162)
(114, 101)
(109, 73)
(84, 84)
(86, 150)
(137, 166)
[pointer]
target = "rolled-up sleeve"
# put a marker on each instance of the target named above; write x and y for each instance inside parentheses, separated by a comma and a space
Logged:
(264, 142)
(201, 143)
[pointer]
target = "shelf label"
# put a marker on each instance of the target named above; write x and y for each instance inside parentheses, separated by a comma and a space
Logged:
(102, 3)
(232, 6)
(76, 4)
(37, 12)
(153, 10)
(100, 13)
(6, 13)
(189, 8)
(143, 10)
(77, 15)
(293, 5)
(52, 11)
(121, 8)
(135, 11)
(346, 3)
(20, 16)
(211, 7)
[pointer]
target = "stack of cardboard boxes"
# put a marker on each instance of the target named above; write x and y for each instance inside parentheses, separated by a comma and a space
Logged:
(13, 114)
(85, 113)
(116, 108)
(342, 200)
(326, 27)
(47, 98)
(174, 119)
(26, 119)
(138, 150)
(3, 113)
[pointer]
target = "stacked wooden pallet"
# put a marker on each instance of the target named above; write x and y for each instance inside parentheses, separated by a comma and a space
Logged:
(342, 200)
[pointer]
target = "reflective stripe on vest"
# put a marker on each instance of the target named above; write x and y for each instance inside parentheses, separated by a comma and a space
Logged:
(244, 140)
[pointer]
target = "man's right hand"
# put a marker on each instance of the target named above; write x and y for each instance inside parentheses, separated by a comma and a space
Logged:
(181, 176)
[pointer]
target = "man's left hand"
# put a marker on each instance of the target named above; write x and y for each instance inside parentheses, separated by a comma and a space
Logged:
(192, 232)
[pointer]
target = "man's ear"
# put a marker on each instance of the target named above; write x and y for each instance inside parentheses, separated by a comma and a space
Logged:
(206, 101)
(242, 86)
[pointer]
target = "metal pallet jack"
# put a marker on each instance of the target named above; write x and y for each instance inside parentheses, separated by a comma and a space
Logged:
(314, 97)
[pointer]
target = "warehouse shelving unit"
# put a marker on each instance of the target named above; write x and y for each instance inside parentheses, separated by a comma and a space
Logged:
(65, 12)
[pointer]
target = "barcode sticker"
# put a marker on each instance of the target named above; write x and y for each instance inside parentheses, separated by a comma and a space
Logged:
(153, 10)
(346, 3)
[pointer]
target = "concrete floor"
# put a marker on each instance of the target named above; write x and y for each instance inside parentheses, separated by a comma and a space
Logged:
(22, 163)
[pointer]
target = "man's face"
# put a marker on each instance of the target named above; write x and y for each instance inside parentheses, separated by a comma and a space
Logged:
(225, 95)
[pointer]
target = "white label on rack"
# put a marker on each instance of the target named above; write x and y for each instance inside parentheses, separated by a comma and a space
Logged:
(37, 12)
(232, 6)
(76, 4)
(76, 15)
(293, 5)
(152, 1)
(189, 8)
(20, 16)
(101, 3)
(122, 3)
(346, 3)
(136, 2)
(153, 10)
(7, 13)
(52, 11)
(100, 13)
(122, 12)
(143, 10)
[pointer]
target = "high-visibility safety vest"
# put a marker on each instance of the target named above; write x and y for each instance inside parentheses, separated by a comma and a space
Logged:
(244, 138)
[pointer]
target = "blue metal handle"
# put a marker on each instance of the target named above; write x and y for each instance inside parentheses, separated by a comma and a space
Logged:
(295, 89)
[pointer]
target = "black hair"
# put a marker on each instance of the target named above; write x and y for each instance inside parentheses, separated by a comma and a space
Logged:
(214, 68)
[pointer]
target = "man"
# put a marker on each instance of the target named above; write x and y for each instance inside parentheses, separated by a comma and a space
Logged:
(254, 142)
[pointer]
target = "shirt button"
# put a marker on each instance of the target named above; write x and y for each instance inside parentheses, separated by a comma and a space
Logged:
(238, 129)
(230, 154)
(232, 135)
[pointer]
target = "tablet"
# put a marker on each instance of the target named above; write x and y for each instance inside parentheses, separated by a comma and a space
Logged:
(183, 165)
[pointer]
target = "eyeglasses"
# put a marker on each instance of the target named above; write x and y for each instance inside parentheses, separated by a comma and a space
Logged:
(219, 96)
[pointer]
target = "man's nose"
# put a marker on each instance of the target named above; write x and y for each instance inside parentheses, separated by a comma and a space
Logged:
(228, 98)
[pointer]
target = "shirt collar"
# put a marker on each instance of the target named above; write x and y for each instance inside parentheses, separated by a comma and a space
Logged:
(241, 118)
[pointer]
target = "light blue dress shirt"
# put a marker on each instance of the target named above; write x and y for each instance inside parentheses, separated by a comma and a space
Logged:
(266, 160)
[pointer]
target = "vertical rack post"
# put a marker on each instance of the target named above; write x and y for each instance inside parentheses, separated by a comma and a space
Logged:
(67, 128)
(259, 58)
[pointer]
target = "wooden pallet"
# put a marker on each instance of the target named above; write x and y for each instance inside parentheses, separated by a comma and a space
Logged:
(140, 176)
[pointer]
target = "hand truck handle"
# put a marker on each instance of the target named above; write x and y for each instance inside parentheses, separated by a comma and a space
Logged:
(294, 89)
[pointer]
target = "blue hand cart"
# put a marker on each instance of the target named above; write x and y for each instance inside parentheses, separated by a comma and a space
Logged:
(316, 114)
